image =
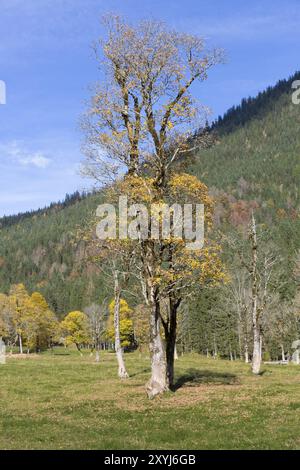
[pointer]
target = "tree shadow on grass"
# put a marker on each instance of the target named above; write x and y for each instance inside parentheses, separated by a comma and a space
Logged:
(263, 372)
(142, 371)
(194, 377)
(61, 354)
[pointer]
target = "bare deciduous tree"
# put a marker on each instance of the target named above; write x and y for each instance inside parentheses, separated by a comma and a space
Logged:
(139, 122)
(97, 318)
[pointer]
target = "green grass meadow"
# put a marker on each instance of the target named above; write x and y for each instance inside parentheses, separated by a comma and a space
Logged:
(61, 400)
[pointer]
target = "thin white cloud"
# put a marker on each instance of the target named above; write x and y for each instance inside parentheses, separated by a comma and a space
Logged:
(17, 153)
(37, 159)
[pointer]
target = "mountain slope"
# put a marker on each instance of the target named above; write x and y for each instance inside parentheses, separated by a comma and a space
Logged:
(255, 164)
(258, 165)
(39, 251)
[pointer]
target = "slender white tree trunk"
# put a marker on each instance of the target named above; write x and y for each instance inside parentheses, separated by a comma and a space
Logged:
(158, 381)
(282, 352)
(215, 349)
(175, 353)
(97, 358)
(246, 353)
(239, 338)
(122, 373)
(20, 344)
(256, 357)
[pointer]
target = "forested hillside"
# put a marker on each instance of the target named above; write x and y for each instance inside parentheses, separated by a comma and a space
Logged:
(254, 164)
(41, 251)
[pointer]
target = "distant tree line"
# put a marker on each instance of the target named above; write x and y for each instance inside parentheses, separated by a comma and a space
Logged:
(253, 107)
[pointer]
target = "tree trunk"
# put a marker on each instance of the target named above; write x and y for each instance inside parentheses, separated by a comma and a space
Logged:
(282, 352)
(175, 353)
(158, 381)
(97, 359)
(246, 353)
(20, 344)
(246, 349)
(170, 350)
(122, 373)
(215, 348)
(170, 328)
(256, 357)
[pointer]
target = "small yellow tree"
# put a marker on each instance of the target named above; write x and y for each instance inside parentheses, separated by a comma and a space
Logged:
(7, 328)
(48, 326)
(19, 298)
(126, 324)
(75, 329)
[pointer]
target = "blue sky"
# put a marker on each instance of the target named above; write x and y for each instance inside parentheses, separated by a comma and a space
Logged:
(47, 65)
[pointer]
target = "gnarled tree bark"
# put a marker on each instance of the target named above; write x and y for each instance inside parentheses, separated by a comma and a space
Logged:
(158, 381)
